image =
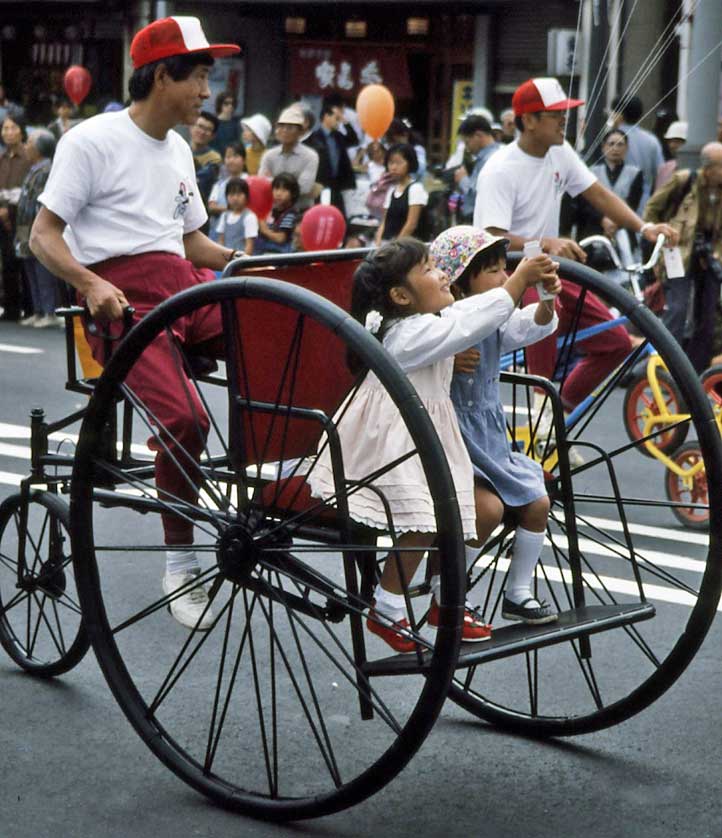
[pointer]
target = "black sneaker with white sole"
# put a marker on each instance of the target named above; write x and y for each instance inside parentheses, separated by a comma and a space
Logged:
(535, 614)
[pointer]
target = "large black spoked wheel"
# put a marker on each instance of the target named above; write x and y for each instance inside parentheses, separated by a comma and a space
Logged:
(635, 591)
(41, 626)
(286, 706)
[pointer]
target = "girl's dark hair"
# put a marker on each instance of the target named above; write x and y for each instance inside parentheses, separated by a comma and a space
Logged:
(236, 148)
(179, 68)
(482, 261)
(407, 152)
(19, 121)
(235, 186)
(375, 277)
(285, 180)
(221, 98)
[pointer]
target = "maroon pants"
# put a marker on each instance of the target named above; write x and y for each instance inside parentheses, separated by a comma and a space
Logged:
(158, 379)
(601, 353)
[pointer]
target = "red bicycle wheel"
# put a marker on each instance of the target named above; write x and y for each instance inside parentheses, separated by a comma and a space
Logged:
(639, 405)
(692, 491)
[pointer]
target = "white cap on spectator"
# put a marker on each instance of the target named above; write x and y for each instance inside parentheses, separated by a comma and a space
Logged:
(259, 125)
(676, 131)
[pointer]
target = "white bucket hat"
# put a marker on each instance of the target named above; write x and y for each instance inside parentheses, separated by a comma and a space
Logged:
(259, 125)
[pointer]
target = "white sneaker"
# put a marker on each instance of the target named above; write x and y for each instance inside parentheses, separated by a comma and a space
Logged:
(188, 608)
(30, 321)
(44, 322)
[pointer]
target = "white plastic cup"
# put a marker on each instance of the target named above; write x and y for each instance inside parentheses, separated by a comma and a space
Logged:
(531, 249)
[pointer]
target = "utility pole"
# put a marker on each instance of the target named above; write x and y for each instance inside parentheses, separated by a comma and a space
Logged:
(703, 82)
(598, 52)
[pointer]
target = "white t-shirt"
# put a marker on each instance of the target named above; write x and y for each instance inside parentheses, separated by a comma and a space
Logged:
(523, 194)
(417, 195)
(121, 192)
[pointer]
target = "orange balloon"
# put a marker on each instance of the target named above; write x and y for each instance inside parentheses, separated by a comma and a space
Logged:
(375, 108)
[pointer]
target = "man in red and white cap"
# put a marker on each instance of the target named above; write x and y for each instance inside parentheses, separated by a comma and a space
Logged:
(120, 221)
(519, 195)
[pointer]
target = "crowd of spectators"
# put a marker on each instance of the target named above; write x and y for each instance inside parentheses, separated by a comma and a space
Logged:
(381, 187)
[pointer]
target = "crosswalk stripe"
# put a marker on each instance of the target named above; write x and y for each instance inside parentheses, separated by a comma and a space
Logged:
(20, 350)
(8, 478)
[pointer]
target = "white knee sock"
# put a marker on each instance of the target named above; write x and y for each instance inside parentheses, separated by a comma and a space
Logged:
(181, 561)
(390, 605)
(527, 549)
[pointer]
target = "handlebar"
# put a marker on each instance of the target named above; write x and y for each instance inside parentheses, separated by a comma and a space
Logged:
(634, 270)
(95, 328)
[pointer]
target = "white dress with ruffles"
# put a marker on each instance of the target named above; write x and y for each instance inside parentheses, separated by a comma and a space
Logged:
(372, 431)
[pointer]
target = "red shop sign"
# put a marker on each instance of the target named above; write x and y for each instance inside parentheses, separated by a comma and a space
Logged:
(345, 69)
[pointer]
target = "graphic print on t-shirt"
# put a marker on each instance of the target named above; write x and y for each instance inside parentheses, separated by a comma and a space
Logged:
(182, 199)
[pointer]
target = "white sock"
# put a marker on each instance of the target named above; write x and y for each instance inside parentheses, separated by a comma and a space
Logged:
(527, 549)
(181, 561)
(390, 605)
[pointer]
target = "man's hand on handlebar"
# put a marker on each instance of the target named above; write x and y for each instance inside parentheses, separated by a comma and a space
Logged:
(563, 247)
(652, 231)
(105, 301)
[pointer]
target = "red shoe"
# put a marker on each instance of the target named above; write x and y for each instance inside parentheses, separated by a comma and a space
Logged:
(395, 634)
(473, 631)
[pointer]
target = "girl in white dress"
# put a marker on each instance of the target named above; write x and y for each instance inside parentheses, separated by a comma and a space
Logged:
(405, 301)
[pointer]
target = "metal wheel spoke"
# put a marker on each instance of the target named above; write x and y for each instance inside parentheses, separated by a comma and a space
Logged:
(166, 600)
(176, 670)
(59, 646)
(328, 757)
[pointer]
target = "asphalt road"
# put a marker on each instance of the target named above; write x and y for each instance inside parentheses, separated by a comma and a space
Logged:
(72, 767)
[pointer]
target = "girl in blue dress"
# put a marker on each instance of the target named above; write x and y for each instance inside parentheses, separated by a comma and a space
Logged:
(475, 261)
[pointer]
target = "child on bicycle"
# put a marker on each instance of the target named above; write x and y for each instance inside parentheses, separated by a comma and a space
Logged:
(475, 262)
(402, 298)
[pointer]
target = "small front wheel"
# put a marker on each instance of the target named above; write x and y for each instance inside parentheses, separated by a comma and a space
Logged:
(41, 625)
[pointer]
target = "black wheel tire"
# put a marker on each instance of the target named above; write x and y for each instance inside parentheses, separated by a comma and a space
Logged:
(556, 690)
(41, 626)
(686, 457)
(171, 729)
(639, 402)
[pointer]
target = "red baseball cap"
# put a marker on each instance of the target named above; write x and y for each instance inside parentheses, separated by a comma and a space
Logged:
(541, 95)
(174, 36)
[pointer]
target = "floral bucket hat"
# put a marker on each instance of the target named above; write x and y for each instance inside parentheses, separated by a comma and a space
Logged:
(454, 249)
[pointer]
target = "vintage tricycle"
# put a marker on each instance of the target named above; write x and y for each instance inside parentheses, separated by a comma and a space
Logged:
(287, 708)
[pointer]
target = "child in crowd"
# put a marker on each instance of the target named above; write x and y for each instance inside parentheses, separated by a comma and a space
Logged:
(276, 233)
(405, 204)
(475, 262)
(399, 294)
(237, 226)
(255, 131)
(234, 165)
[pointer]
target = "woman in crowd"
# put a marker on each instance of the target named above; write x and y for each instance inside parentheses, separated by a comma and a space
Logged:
(256, 130)
(43, 286)
(14, 166)
(228, 130)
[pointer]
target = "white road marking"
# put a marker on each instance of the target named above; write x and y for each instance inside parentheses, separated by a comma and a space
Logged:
(8, 478)
(20, 350)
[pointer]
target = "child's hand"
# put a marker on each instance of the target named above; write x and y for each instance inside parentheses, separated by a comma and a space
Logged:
(553, 286)
(467, 361)
(540, 268)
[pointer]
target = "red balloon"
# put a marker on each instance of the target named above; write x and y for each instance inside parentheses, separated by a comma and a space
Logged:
(260, 195)
(77, 82)
(323, 228)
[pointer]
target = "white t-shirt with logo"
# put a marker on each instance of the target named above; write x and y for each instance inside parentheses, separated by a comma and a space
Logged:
(523, 194)
(122, 192)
